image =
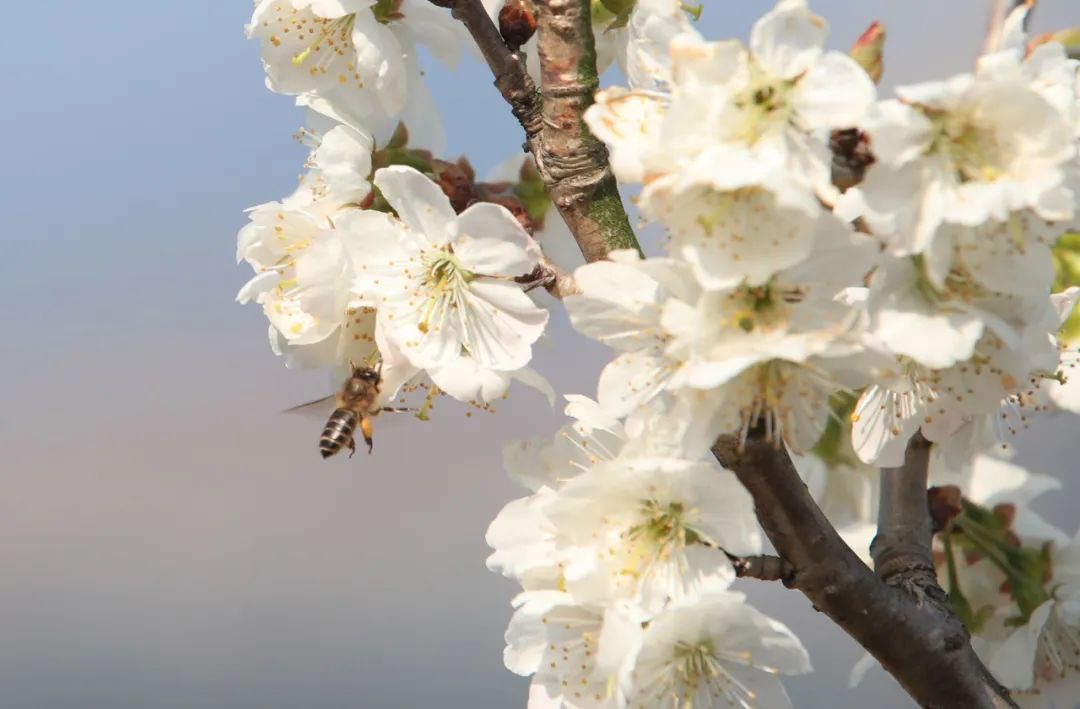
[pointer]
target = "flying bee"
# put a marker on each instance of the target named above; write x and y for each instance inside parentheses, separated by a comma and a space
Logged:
(354, 407)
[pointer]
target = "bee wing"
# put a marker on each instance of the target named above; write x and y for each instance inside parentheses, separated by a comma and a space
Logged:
(320, 408)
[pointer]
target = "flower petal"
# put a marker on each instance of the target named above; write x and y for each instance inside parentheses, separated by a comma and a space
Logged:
(418, 201)
(787, 41)
(491, 242)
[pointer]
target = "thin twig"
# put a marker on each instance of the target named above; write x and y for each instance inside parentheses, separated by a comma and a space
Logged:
(508, 67)
(763, 567)
(550, 277)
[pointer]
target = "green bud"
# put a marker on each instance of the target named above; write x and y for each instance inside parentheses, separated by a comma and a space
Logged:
(869, 49)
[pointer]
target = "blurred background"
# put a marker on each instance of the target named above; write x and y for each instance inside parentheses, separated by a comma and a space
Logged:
(167, 539)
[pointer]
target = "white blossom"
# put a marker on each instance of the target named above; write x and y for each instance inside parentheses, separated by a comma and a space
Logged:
(305, 266)
(354, 54)
(964, 151)
(443, 283)
(717, 651)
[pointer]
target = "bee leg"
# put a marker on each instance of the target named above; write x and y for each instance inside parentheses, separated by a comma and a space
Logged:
(365, 428)
(399, 409)
(352, 447)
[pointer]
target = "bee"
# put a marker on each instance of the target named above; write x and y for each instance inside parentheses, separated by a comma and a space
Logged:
(354, 407)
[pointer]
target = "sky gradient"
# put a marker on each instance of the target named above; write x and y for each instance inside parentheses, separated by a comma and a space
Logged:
(167, 539)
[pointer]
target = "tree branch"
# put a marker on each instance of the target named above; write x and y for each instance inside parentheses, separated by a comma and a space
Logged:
(508, 67)
(573, 162)
(921, 644)
(901, 549)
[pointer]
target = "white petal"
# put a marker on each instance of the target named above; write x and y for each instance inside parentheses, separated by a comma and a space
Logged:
(418, 201)
(898, 132)
(433, 27)
(380, 61)
(835, 93)
(1013, 662)
(626, 122)
(630, 380)
(787, 41)
(491, 242)
(463, 379)
(499, 323)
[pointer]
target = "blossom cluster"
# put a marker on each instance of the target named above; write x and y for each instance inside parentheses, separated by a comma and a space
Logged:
(622, 553)
(374, 265)
(838, 318)
(840, 272)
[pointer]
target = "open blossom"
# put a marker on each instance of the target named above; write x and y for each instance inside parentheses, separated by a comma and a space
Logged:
(338, 169)
(336, 47)
(772, 353)
(443, 283)
(305, 263)
(634, 529)
(621, 304)
(759, 107)
(1031, 657)
(964, 151)
(1025, 651)
(732, 159)
(353, 53)
(971, 396)
(622, 523)
(559, 643)
(716, 651)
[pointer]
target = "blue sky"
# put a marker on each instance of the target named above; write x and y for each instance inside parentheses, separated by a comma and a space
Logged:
(167, 538)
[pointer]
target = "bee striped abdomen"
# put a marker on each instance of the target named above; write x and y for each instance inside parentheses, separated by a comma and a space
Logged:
(338, 432)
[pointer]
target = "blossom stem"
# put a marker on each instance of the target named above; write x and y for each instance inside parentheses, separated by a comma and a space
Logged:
(763, 567)
(550, 277)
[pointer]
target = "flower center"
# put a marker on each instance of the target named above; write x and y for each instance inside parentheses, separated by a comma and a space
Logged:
(959, 285)
(443, 280)
(660, 536)
(761, 307)
(664, 526)
(973, 150)
(333, 36)
(764, 103)
(696, 672)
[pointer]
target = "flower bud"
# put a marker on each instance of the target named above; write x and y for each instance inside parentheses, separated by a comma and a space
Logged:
(517, 23)
(945, 502)
(456, 182)
(1006, 512)
(1068, 38)
(868, 51)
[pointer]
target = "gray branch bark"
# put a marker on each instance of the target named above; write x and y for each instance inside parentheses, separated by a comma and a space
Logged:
(920, 643)
(581, 184)
(573, 163)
